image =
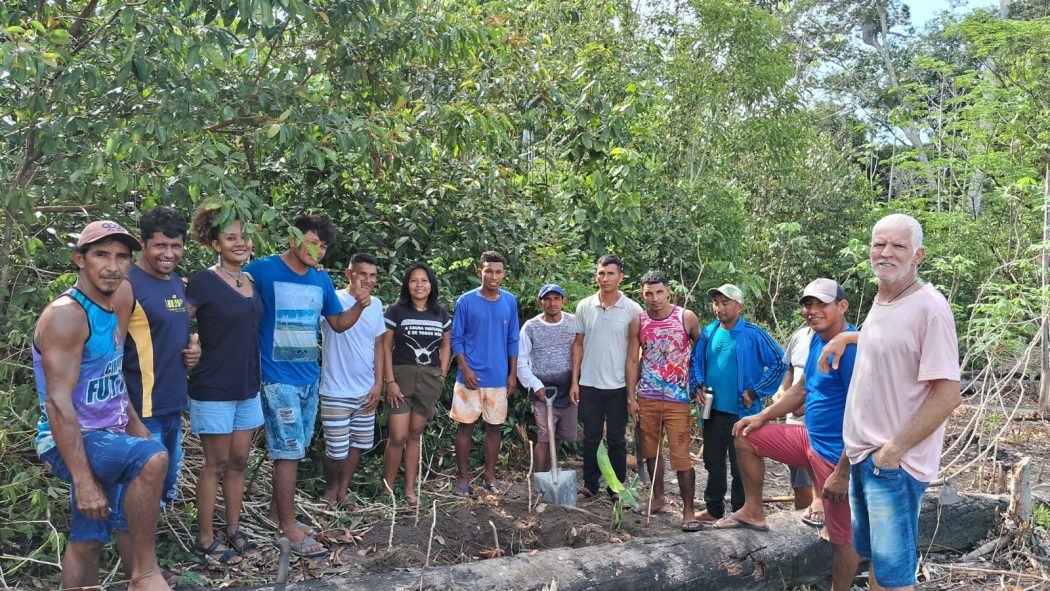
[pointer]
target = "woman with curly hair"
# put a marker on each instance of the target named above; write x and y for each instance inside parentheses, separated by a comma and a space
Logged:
(417, 352)
(225, 408)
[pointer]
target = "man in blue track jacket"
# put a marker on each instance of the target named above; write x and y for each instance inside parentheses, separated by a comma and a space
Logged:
(741, 364)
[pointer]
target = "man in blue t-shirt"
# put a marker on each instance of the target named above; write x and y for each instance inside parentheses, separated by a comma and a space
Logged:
(485, 345)
(295, 296)
(817, 446)
(740, 364)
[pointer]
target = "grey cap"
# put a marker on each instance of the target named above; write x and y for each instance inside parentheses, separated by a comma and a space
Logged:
(728, 290)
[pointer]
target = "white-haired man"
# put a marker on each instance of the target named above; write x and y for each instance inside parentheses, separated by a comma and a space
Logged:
(905, 385)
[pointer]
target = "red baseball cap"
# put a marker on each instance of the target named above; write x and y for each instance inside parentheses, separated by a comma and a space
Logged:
(102, 229)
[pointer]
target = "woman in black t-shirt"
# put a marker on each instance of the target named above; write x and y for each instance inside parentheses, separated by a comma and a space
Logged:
(417, 351)
(225, 408)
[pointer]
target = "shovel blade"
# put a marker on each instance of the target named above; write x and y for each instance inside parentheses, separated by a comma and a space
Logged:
(562, 493)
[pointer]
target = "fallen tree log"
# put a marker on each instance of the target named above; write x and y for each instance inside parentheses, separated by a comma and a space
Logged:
(790, 554)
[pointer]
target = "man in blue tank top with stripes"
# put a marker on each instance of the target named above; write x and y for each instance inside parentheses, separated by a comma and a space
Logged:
(89, 434)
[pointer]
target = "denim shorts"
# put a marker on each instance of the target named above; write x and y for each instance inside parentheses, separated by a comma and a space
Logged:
(115, 459)
(885, 507)
(167, 429)
(222, 417)
(290, 411)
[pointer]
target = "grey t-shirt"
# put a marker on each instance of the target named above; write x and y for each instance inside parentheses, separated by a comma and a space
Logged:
(604, 333)
(795, 354)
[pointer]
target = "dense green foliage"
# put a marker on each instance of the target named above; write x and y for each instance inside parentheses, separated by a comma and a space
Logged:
(716, 140)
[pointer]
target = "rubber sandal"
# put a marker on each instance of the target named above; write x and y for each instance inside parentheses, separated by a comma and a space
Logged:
(461, 490)
(227, 557)
(812, 518)
(308, 541)
(692, 525)
(411, 501)
(247, 547)
(583, 494)
(496, 488)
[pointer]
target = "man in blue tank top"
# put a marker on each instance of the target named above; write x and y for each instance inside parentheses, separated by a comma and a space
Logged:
(158, 348)
(89, 434)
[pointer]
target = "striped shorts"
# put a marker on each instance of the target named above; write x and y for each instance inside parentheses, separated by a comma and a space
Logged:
(344, 426)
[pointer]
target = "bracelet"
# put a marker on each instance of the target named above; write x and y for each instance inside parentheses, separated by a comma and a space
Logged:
(388, 382)
(444, 376)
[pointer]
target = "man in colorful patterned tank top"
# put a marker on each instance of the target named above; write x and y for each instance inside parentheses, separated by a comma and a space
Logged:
(666, 333)
(89, 434)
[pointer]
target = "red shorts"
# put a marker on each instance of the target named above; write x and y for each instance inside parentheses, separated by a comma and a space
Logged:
(789, 444)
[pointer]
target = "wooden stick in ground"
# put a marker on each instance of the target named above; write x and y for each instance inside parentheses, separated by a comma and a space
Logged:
(495, 535)
(430, 541)
(419, 479)
(528, 480)
(1021, 490)
(393, 513)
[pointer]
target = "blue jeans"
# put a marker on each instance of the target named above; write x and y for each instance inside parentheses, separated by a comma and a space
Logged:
(115, 459)
(167, 429)
(290, 411)
(884, 504)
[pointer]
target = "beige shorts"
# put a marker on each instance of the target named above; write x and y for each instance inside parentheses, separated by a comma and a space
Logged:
(488, 403)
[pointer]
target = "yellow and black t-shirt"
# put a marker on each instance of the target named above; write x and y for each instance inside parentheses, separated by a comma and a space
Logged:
(158, 331)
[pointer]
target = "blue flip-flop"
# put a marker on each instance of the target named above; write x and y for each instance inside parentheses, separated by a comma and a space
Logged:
(461, 490)
(496, 488)
(297, 548)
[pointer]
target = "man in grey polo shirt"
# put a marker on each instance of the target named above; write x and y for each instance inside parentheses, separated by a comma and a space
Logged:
(601, 377)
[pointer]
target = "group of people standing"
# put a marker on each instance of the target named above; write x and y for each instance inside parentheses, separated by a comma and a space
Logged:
(111, 424)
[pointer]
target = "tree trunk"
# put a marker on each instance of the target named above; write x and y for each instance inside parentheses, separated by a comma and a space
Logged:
(1044, 358)
(790, 554)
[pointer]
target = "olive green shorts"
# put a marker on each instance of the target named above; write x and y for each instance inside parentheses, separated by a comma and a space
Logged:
(421, 387)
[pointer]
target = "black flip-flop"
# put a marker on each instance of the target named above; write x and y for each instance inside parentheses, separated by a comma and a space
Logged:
(812, 519)
(692, 525)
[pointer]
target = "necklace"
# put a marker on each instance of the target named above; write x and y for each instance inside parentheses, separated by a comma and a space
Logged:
(901, 292)
(236, 276)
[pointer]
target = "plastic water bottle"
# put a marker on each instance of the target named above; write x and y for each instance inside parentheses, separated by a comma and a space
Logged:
(709, 393)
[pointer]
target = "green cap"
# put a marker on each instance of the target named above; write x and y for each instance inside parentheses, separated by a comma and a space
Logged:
(728, 290)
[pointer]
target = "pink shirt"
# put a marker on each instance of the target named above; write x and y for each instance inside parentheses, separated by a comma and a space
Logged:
(903, 346)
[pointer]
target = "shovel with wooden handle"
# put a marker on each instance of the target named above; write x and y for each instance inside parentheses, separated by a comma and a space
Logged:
(557, 486)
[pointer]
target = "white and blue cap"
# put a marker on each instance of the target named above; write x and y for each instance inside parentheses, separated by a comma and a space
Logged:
(549, 289)
(824, 289)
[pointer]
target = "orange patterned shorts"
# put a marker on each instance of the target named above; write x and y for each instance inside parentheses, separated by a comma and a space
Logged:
(488, 403)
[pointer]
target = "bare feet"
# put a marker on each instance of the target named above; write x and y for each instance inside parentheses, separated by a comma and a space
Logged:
(704, 517)
(152, 580)
(656, 509)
